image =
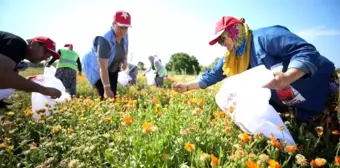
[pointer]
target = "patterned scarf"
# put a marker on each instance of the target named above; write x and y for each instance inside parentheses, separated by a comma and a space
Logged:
(237, 61)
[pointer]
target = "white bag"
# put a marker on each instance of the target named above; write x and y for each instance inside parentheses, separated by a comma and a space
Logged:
(150, 77)
(39, 101)
(247, 102)
(123, 77)
(5, 93)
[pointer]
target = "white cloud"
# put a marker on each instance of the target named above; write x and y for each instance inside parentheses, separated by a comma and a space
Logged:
(313, 33)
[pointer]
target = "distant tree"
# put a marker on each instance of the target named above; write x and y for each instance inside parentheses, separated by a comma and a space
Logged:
(141, 66)
(183, 63)
(205, 68)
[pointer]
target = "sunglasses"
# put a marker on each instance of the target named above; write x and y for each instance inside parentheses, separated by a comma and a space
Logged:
(221, 40)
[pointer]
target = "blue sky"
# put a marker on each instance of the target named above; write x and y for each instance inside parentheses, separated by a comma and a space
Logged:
(166, 26)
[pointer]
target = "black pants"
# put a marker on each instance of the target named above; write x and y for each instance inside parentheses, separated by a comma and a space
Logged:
(113, 78)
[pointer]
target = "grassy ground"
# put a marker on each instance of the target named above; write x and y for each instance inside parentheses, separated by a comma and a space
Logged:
(148, 127)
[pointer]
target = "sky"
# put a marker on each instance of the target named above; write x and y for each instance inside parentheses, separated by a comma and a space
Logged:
(164, 27)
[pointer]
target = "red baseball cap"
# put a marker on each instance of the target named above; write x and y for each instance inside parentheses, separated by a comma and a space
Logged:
(222, 24)
(69, 45)
(49, 44)
(122, 18)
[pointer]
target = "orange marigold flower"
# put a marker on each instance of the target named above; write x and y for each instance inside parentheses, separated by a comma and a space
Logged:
(276, 143)
(291, 148)
(227, 129)
(127, 120)
(337, 160)
(185, 100)
(148, 127)
(155, 100)
(274, 164)
(189, 147)
(318, 162)
(251, 164)
(214, 160)
(244, 137)
(200, 102)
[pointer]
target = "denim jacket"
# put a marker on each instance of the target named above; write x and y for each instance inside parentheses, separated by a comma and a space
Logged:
(276, 46)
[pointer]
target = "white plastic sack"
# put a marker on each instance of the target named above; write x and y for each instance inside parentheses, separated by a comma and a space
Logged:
(5, 93)
(247, 102)
(150, 77)
(123, 77)
(39, 101)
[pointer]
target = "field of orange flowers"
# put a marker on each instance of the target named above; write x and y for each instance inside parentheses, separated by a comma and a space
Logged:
(147, 127)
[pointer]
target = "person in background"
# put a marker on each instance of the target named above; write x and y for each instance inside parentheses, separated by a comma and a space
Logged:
(13, 50)
(133, 72)
(67, 68)
(294, 62)
(157, 66)
(5, 93)
(102, 64)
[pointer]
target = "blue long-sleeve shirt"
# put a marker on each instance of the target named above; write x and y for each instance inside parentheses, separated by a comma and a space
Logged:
(276, 46)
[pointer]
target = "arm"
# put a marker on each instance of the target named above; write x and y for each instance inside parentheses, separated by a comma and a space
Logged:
(286, 45)
(11, 79)
(79, 64)
(207, 79)
(158, 65)
(103, 51)
(213, 76)
(52, 60)
(124, 64)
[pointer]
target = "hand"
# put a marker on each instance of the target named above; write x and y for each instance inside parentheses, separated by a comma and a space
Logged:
(108, 93)
(180, 87)
(31, 77)
(280, 81)
(124, 66)
(53, 92)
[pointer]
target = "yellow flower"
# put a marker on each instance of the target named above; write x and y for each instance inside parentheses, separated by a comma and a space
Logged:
(3, 146)
(189, 147)
(11, 113)
(274, 164)
(56, 129)
(10, 148)
(148, 127)
(244, 137)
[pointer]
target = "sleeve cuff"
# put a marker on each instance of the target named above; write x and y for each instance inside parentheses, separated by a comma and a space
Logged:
(202, 84)
(304, 66)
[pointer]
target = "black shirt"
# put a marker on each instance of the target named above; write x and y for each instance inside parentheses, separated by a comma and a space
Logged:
(12, 46)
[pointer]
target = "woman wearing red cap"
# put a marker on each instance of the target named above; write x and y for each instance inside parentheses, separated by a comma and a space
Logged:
(13, 50)
(102, 64)
(297, 64)
(67, 68)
